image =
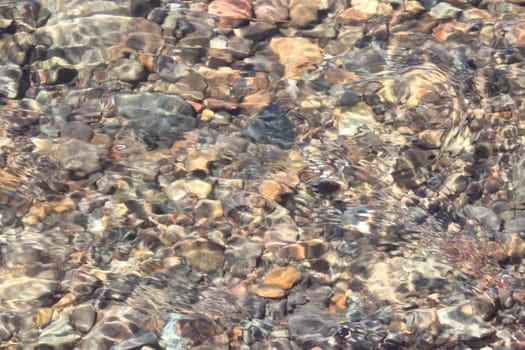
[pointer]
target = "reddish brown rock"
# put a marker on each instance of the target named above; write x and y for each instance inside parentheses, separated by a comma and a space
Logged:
(231, 13)
(353, 16)
(297, 55)
(282, 277)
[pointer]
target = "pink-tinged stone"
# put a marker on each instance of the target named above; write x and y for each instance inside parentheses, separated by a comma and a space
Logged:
(297, 55)
(271, 10)
(353, 16)
(443, 31)
(231, 13)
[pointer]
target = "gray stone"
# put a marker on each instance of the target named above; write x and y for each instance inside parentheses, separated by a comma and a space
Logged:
(10, 75)
(271, 126)
(483, 215)
(83, 317)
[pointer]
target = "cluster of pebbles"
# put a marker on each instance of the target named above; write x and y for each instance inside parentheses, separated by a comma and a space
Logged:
(256, 174)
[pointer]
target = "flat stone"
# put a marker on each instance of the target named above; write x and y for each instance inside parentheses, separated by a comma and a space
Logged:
(282, 277)
(270, 126)
(297, 55)
(232, 13)
(129, 71)
(83, 317)
(271, 10)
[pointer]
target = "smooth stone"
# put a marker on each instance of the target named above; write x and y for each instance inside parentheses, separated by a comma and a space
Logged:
(297, 55)
(58, 335)
(206, 260)
(78, 156)
(514, 246)
(351, 121)
(150, 105)
(460, 323)
(271, 10)
(515, 225)
(267, 291)
(83, 317)
(129, 71)
(180, 188)
(79, 131)
(303, 13)
(270, 126)
(443, 10)
(26, 293)
(242, 255)
(138, 341)
(10, 75)
(483, 215)
(282, 277)
(231, 13)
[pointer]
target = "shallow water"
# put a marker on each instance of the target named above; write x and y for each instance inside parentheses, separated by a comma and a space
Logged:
(261, 174)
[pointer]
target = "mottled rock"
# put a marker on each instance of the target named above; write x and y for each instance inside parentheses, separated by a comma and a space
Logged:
(297, 55)
(271, 126)
(59, 334)
(83, 317)
(484, 216)
(10, 75)
(80, 157)
(271, 10)
(303, 13)
(79, 131)
(25, 293)
(231, 13)
(461, 322)
(283, 278)
(129, 71)
(157, 117)
(444, 10)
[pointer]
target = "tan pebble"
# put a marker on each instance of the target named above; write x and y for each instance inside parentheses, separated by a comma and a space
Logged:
(519, 295)
(339, 300)
(103, 140)
(495, 251)
(282, 277)
(268, 292)
(296, 251)
(515, 247)
(44, 316)
(207, 115)
(199, 188)
(36, 214)
(142, 254)
(206, 260)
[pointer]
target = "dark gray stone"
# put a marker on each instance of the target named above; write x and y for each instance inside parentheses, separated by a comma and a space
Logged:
(271, 126)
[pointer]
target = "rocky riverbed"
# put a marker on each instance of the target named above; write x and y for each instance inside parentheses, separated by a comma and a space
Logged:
(262, 174)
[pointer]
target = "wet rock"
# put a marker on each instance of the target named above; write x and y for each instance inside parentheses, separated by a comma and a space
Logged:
(242, 256)
(129, 71)
(257, 31)
(79, 157)
(271, 10)
(514, 246)
(483, 215)
(284, 278)
(138, 341)
(461, 322)
(83, 317)
(297, 55)
(352, 121)
(271, 126)
(303, 13)
(79, 131)
(25, 293)
(10, 75)
(231, 13)
(58, 334)
(443, 10)
(158, 117)
(180, 188)
(53, 71)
